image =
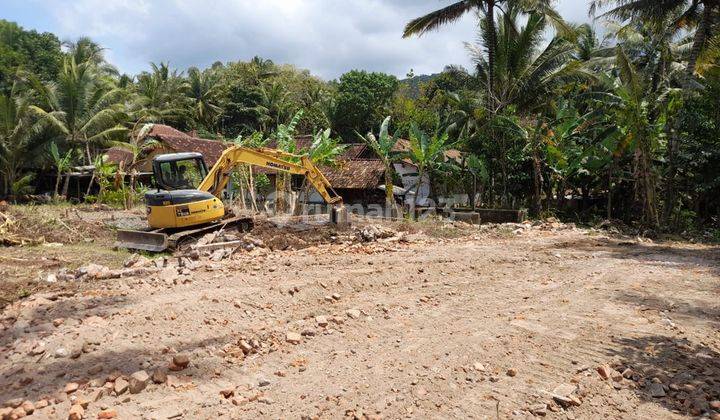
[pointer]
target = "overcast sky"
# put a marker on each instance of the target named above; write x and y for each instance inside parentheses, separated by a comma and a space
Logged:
(329, 37)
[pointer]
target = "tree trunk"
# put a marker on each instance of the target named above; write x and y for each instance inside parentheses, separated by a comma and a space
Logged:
(647, 185)
(417, 194)
(701, 35)
(242, 188)
(503, 167)
(609, 190)
(130, 199)
(548, 187)
(537, 182)
(492, 39)
(561, 194)
(473, 202)
(87, 151)
(66, 186)
(670, 190)
(92, 179)
(251, 189)
(389, 197)
(11, 175)
(57, 185)
(299, 206)
(585, 192)
(280, 198)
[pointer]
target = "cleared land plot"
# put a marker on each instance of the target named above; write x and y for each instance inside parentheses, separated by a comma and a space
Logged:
(482, 324)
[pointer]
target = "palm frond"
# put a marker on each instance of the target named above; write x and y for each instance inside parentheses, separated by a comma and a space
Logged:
(433, 20)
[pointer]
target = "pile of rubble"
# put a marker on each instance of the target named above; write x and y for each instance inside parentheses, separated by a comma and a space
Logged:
(218, 246)
(81, 395)
(550, 224)
(137, 265)
(372, 233)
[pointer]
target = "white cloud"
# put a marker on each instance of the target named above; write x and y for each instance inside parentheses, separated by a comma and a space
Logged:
(329, 37)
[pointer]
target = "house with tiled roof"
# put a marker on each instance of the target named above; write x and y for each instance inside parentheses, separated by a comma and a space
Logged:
(357, 176)
(169, 140)
(353, 178)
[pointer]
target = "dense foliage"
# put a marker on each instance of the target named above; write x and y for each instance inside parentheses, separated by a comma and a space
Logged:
(621, 127)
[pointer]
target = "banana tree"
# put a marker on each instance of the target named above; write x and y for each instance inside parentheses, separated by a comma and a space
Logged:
(323, 151)
(62, 164)
(285, 138)
(384, 147)
(473, 173)
(244, 176)
(427, 153)
(139, 145)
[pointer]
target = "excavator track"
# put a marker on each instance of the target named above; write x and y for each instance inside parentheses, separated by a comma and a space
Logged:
(161, 240)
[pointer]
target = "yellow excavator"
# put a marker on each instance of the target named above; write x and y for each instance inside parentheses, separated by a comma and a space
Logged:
(186, 201)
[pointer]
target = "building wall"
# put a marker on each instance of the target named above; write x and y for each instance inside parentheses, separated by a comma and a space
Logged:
(409, 176)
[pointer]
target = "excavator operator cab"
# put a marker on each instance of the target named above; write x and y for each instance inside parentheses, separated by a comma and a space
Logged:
(179, 171)
(177, 202)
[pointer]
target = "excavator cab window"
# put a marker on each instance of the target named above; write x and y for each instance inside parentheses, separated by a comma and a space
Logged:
(181, 174)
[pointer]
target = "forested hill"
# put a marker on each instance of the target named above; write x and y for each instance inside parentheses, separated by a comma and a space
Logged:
(414, 83)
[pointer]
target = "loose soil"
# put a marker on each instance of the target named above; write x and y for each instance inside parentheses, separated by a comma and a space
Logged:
(446, 323)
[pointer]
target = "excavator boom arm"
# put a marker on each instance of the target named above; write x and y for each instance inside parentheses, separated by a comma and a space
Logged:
(219, 175)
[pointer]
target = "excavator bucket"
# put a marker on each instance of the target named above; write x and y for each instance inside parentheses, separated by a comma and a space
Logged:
(340, 216)
(145, 241)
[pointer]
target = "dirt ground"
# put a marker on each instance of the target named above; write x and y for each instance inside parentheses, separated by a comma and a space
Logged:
(503, 322)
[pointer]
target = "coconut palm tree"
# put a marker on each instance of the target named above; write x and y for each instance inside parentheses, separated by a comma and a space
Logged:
(466, 111)
(83, 106)
(203, 89)
(275, 104)
(673, 15)
(20, 135)
(528, 71)
(384, 147)
(86, 50)
(525, 72)
(486, 9)
(159, 95)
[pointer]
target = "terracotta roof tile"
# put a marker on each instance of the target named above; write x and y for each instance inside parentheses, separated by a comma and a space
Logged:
(350, 173)
(210, 149)
(352, 150)
(355, 174)
(158, 130)
(118, 155)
